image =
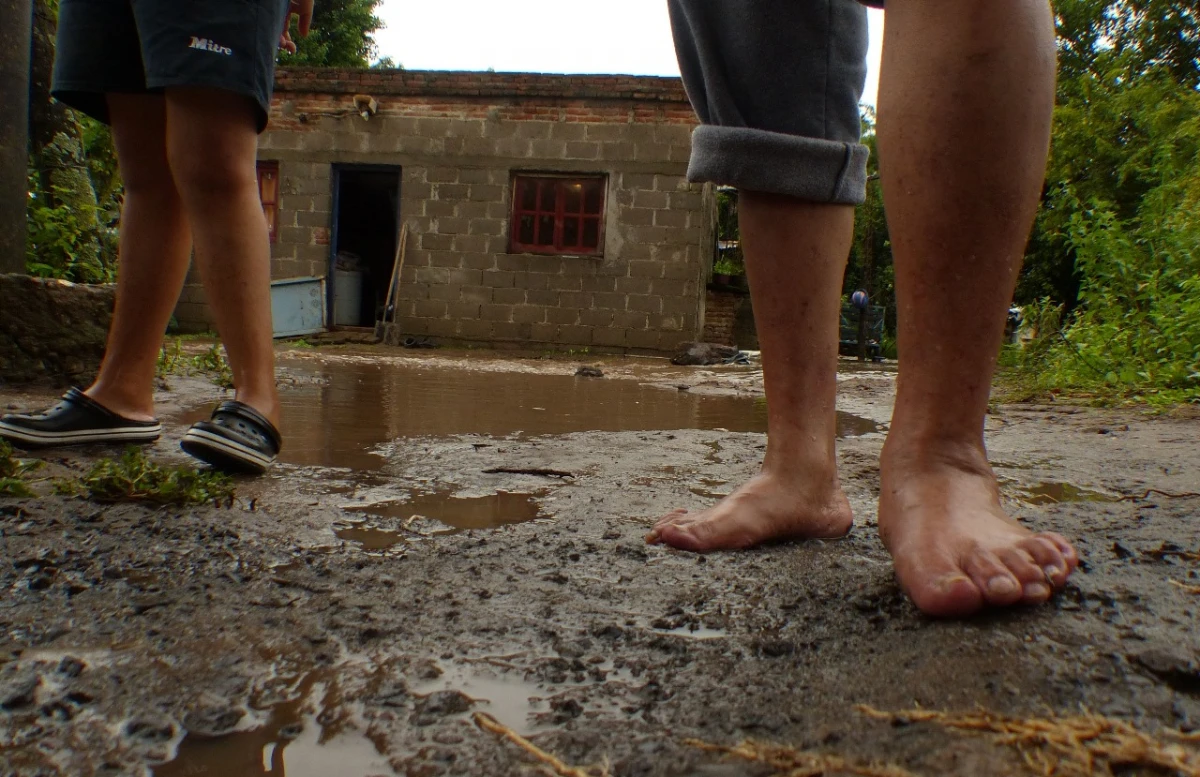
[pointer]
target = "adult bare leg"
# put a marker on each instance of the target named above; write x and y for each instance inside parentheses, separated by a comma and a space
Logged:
(154, 253)
(212, 145)
(795, 255)
(966, 98)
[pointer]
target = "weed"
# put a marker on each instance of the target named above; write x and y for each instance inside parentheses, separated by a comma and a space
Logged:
(134, 478)
(12, 471)
(213, 363)
(15, 488)
(172, 360)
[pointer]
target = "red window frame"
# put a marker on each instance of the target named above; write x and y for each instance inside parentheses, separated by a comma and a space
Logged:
(268, 193)
(558, 214)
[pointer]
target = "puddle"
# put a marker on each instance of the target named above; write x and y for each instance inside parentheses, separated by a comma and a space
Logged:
(1052, 493)
(346, 409)
(307, 736)
(692, 631)
(506, 696)
(454, 512)
(369, 539)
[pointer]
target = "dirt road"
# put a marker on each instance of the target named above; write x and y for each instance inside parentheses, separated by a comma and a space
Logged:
(450, 535)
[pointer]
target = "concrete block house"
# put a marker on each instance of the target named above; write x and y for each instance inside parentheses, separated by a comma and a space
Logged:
(541, 209)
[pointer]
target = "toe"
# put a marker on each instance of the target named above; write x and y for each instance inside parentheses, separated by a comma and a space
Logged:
(1070, 556)
(1034, 587)
(695, 537)
(993, 578)
(670, 517)
(1047, 556)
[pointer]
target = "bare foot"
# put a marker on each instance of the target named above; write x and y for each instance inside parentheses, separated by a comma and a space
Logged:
(768, 507)
(955, 550)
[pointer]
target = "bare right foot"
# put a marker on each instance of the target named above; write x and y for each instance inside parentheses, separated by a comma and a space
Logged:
(768, 507)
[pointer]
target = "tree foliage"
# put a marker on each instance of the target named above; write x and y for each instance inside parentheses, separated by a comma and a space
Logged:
(1121, 210)
(341, 35)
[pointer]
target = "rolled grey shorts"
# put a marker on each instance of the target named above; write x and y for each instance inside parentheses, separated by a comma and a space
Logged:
(776, 84)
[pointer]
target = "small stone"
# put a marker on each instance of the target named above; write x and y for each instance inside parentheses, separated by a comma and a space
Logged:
(443, 703)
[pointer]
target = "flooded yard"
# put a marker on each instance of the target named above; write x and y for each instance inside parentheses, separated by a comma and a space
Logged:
(453, 534)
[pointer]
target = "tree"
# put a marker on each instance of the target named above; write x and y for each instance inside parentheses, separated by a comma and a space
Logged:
(1116, 57)
(340, 37)
(15, 23)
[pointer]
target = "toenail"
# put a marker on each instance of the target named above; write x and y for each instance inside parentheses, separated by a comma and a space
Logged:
(948, 582)
(1052, 573)
(1037, 591)
(1001, 585)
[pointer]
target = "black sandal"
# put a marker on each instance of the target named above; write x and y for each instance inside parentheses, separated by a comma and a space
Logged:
(238, 439)
(76, 420)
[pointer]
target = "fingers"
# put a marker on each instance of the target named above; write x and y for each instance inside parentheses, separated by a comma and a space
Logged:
(304, 9)
(286, 43)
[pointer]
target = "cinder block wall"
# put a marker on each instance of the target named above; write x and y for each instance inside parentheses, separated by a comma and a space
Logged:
(460, 138)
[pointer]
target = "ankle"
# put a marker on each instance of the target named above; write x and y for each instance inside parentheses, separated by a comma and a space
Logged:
(965, 453)
(265, 402)
(133, 404)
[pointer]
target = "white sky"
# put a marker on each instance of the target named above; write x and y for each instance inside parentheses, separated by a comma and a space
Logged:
(546, 36)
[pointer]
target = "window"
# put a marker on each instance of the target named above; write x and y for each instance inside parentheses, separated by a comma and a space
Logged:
(268, 193)
(558, 214)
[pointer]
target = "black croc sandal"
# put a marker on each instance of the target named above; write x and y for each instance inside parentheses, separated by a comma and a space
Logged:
(76, 420)
(237, 439)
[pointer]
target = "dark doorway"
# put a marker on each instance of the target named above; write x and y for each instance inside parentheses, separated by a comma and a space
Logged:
(366, 212)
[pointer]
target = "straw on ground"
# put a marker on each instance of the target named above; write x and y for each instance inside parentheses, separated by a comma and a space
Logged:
(799, 763)
(1077, 746)
(548, 763)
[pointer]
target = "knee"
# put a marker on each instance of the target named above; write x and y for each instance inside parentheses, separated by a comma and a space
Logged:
(209, 173)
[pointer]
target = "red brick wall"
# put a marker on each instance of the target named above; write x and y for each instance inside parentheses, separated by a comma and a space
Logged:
(416, 83)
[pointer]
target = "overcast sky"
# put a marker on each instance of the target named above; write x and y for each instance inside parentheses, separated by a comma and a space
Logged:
(545, 36)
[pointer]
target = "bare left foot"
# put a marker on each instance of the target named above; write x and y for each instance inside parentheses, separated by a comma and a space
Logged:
(768, 507)
(955, 549)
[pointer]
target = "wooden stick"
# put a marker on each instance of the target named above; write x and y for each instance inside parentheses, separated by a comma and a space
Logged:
(400, 267)
(397, 263)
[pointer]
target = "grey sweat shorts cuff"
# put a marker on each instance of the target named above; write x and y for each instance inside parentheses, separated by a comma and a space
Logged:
(776, 85)
(807, 168)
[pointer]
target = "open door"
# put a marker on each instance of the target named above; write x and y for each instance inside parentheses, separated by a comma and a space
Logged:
(366, 217)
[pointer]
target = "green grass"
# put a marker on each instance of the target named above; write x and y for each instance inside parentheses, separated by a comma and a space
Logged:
(134, 478)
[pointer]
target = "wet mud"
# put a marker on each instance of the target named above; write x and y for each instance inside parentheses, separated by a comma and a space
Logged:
(433, 548)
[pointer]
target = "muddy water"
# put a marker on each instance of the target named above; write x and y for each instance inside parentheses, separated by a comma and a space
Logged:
(306, 736)
(1052, 493)
(451, 513)
(349, 408)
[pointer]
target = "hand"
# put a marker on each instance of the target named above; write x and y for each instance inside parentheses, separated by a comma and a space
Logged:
(303, 9)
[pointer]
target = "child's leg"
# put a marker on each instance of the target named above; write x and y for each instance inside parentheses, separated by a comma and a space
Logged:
(155, 243)
(212, 138)
(776, 84)
(964, 128)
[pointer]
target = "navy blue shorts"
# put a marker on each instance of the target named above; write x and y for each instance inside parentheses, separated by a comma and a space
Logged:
(145, 46)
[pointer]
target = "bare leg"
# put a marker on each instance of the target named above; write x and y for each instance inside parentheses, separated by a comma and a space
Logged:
(155, 243)
(966, 100)
(795, 256)
(212, 145)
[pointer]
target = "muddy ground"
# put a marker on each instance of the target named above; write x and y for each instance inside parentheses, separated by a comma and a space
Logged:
(328, 624)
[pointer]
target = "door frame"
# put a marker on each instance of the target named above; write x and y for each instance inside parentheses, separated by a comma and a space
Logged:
(335, 178)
